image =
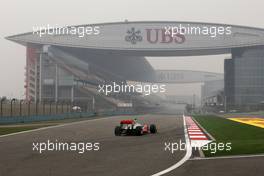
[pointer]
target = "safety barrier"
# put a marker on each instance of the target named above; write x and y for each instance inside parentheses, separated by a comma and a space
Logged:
(72, 115)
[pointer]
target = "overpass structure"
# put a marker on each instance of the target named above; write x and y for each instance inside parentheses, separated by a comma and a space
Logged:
(62, 61)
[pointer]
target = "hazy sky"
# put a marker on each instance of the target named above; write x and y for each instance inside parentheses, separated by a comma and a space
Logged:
(19, 16)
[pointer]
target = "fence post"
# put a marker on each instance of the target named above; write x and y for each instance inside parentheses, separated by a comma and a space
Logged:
(56, 104)
(36, 108)
(1, 106)
(20, 107)
(29, 102)
(93, 104)
(71, 106)
(67, 107)
(50, 107)
(43, 107)
(11, 108)
(62, 103)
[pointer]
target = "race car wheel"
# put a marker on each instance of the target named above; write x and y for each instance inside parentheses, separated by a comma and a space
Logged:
(138, 131)
(117, 131)
(153, 128)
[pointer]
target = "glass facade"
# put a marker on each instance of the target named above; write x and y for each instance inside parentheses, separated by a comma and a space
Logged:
(244, 78)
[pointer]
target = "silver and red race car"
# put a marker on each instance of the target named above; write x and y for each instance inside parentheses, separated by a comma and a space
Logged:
(132, 127)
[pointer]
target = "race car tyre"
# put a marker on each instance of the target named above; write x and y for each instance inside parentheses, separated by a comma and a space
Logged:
(138, 131)
(153, 128)
(117, 131)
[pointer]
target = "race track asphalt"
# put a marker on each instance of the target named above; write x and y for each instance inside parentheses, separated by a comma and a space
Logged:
(242, 166)
(124, 155)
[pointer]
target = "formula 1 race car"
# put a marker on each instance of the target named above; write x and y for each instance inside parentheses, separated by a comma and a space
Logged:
(131, 127)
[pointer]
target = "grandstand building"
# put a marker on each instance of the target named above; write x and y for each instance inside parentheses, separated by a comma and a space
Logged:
(69, 67)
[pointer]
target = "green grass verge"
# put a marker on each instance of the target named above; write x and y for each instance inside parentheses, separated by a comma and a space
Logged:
(9, 130)
(245, 139)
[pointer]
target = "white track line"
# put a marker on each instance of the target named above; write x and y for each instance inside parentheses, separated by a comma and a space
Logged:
(185, 158)
(54, 126)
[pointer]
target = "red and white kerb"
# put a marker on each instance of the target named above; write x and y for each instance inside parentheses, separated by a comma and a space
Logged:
(194, 131)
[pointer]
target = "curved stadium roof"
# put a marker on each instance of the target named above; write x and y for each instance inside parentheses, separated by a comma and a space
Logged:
(113, 38)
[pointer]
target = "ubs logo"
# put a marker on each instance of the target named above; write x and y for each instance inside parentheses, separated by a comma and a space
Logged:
(133, 36)
(154, 36)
